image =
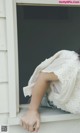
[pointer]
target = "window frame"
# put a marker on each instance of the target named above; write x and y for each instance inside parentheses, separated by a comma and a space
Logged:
(12, 46)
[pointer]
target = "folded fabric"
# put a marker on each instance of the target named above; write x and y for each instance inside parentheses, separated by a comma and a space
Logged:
(64, 93)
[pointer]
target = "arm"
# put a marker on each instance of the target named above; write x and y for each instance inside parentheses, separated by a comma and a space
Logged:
(32, 117)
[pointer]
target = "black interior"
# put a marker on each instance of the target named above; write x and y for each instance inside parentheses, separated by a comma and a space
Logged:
(42, 31)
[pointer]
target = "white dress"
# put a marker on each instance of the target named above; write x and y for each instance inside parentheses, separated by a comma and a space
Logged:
(65, 93)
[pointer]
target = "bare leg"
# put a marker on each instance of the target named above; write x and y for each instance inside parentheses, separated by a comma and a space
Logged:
(32, 117)
(39, 91)
(40, 88)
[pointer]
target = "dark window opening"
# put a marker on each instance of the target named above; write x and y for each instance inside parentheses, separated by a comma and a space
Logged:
(42, 31)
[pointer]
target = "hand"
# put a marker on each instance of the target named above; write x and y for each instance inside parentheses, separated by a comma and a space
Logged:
(30, 119)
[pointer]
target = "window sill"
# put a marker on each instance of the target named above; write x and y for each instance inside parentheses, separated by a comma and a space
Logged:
(47, 115)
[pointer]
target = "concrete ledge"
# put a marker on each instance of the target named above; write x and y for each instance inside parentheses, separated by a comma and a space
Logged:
(47, 115)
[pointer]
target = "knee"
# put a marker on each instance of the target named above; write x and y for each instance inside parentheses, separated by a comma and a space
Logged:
(48, 76)
(43, 76)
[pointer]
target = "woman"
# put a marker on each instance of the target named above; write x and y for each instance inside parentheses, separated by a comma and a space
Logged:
(59, 77)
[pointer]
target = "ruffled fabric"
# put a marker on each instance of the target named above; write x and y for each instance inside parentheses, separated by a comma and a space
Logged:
(65, 93)
(27, 90)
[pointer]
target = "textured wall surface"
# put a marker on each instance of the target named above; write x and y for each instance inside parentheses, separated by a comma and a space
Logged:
(3, 60)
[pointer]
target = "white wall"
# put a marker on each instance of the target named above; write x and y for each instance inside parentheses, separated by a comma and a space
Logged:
(3, 60)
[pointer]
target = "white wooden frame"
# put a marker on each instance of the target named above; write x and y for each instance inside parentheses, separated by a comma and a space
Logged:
(12, 46)
(13, 74)
(44, 2)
